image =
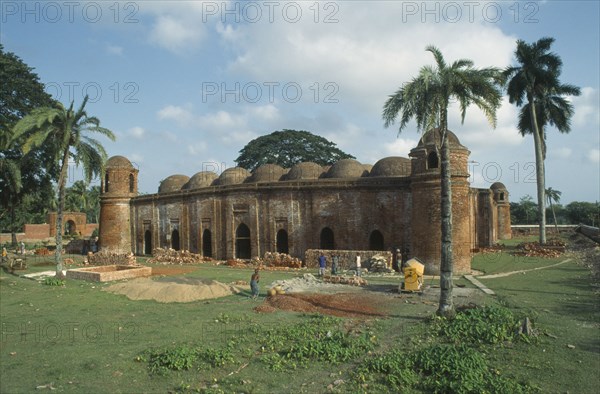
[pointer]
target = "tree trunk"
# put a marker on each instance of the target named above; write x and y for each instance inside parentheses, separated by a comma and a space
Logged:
(554, 216)
(446, 307)
(539, 171)
(62, 181)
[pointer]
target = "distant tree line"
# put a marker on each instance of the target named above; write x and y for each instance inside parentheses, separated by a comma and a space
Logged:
(576, 212)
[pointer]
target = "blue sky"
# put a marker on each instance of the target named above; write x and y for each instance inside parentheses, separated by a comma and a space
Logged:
(185, 85)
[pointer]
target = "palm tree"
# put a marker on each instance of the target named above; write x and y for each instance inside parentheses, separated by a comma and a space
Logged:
(535, 82)
(426, 98)
(553, 196)
(65, 130)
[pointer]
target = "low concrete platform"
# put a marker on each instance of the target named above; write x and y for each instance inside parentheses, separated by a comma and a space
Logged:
(107, 273)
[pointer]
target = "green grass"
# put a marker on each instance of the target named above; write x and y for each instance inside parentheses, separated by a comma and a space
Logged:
(82, 339)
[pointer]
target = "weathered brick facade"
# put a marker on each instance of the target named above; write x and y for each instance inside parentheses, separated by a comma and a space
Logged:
(394, 204)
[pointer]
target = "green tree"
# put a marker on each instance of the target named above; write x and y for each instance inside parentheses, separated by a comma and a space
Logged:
(426, 99)
(553, 196)
(535, 83)
(23, 192)
(583, 212)
(287, 148)
(65, 129)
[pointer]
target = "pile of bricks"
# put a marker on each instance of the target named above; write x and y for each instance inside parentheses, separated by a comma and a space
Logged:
(274, 259)
(105, 258)
(379, 263)
(172, 256)
(42, 252)
(553, 248)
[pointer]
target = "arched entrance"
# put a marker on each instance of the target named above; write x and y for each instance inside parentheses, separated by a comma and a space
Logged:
(327, 241)
(376, 240)
(206, 243)
(70, 227)
(175, 240)
(243, 246)
(148, 242)
(282, 242)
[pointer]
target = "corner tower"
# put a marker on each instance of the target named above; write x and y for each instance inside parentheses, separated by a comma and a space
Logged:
(118, 186)
(500, 195)
(426, 202)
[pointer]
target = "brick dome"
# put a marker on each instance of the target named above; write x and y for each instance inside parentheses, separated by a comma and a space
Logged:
(305, 170)
(498, 186)
(391, 166)
(347, 168)
(267, 173)
(200, 180)
(173, 183)
(434, 137)
(118, 162)
(233, 176)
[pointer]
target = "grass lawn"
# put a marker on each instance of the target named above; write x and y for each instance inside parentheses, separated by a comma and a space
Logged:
(79, 338)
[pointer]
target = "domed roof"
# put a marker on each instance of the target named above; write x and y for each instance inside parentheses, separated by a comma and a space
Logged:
(498, 186)
(391, 166)
(347, 168)
(173, 183)
(118, 162)
(368, 167)
(267, 173)
(200, 179)
(233, 176)
(305, 170)
(434, 137)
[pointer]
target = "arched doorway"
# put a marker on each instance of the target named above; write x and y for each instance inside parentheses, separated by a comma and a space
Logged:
(70, 227)
(432, 160)
(175, 240)
(243, 246)
(148, 242)
(131, 183)
(376, 240)
(282, 242)
(327, 241)
(206, 243)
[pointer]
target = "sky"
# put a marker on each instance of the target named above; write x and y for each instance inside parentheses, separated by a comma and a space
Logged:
(186, 84)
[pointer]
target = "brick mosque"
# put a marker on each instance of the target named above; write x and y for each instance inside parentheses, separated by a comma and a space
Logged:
(394, 204)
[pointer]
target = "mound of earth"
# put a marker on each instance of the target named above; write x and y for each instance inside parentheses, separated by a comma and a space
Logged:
(172, 289)
(340, 304)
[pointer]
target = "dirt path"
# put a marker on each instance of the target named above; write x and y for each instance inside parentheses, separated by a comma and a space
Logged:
(504, 274)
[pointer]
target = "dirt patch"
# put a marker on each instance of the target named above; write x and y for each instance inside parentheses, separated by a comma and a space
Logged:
(340, 304)
(170, 271)
(168, 290)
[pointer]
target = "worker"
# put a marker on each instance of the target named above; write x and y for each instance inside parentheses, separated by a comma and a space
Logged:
(358, 266)
(254, 279)
(322, 265)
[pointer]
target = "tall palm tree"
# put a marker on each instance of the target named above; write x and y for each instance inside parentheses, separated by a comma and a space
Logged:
(553, 196)
(426, 99)
(65, 130)
(535, 82)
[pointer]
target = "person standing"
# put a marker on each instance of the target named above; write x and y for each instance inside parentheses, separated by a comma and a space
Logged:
(358, 266)
(254, 279)
(322, 265)
(334, 264)
(22, 247)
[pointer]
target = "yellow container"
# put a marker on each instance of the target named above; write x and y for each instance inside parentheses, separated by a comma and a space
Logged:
(417, 265)
(412, 280)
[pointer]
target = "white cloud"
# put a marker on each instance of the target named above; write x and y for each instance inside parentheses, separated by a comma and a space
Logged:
(137, 132)
(170, 33)
(114, 50)
(197, 148)
(594, 155)
(587, 108)
(560, 153)
(136, 158)
(400, 147)
(183, 116)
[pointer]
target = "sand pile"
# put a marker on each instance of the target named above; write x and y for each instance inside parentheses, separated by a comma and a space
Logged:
(172, 289)
(310, 283)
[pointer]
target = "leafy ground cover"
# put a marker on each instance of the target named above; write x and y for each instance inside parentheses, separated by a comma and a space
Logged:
(78, 338)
